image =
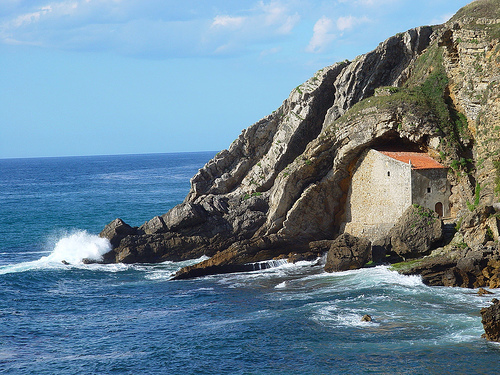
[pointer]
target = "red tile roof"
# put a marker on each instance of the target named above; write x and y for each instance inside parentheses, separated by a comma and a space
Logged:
(419, 160)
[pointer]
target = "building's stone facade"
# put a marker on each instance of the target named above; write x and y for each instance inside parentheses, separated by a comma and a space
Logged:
(382, 188)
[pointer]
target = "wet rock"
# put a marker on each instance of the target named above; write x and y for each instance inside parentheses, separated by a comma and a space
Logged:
(491, 321)
(347, 252)
(241, 255)
(366, 318)
(307, 256)
(482, 292)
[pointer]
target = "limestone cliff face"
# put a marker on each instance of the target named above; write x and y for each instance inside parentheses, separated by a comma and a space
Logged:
(282, 184)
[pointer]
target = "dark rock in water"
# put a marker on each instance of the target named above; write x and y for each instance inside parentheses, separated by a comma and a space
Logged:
(64, 262)
(347, 253)
(116, 231)
(415, 232)
(308, 256)
(435, 271)
(491, 321)
(464, 268)
(366, 318)
(482, 292)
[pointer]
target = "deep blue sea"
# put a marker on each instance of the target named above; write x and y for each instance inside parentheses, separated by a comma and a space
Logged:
(132, 319)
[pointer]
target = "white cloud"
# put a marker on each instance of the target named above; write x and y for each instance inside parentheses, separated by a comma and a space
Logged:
(228, 21)
(189, 27)
(322, 35)
(346, 23)
(263, 24)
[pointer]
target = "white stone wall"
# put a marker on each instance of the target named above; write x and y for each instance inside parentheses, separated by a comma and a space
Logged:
(380, 192)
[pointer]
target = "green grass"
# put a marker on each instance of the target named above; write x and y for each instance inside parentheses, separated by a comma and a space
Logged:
(477, 198)
(405, 266)
(425, 95)
(479, 9)
(489, 9)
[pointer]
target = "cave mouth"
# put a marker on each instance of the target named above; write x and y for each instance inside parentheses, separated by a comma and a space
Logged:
(394, 142)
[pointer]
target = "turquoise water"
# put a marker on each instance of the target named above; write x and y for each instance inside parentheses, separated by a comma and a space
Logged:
(132, 319)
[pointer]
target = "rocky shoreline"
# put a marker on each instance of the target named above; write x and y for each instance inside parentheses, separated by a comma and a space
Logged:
(280, 190)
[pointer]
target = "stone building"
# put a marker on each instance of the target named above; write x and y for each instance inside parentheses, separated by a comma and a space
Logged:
(385, 183)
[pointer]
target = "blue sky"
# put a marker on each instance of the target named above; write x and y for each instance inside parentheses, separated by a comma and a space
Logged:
(93, 77)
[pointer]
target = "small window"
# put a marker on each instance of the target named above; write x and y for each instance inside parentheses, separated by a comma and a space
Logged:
(388, 174)
(428, 190)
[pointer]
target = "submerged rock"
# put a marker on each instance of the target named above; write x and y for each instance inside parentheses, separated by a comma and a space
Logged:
(366, 318)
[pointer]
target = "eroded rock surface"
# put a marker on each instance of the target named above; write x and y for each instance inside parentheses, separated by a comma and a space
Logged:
(282, 184)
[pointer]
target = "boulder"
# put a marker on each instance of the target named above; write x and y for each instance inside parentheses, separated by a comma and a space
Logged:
(347, 253)
(184, 215)
(155, 225)
(415, 233)
(116, 231)
(491, 321)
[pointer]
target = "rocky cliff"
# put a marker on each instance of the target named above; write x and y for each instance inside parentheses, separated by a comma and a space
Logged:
(281, 186)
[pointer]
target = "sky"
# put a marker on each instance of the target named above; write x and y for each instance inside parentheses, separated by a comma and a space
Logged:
(102, 77)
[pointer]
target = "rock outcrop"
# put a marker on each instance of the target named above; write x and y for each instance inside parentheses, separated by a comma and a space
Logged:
(461, 267)
(491, 321)
(281, 186)
(415, 233)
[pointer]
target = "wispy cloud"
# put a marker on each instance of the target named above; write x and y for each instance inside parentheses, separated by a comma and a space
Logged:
(170, 28)
(173, 29)
(228, 21)
(322, 35)
(346, 23)
(263, 23)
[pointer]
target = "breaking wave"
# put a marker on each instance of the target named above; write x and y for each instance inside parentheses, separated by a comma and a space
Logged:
(71, 248)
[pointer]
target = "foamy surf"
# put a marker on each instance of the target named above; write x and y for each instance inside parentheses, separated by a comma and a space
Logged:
(69, 249)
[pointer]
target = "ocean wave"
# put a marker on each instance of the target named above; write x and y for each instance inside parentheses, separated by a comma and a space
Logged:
(69, 249)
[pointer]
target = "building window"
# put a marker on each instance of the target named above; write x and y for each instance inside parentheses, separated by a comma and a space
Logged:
(388, 173)
(428, 190)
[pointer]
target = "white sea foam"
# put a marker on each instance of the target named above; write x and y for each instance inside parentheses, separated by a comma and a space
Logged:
(77, 246)
(70, 248)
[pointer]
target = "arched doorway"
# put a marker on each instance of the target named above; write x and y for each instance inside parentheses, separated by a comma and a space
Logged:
(439, 209)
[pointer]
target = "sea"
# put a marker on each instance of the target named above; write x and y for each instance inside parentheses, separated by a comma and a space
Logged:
(72, 318)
